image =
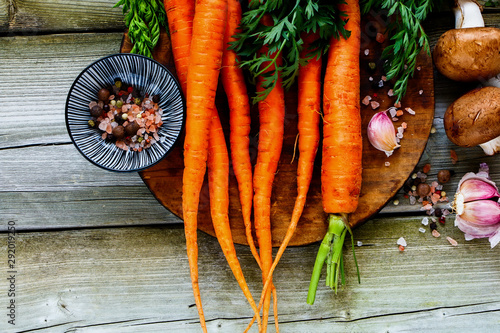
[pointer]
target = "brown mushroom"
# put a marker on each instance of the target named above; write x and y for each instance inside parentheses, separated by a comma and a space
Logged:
(474, 119)
(470, 52)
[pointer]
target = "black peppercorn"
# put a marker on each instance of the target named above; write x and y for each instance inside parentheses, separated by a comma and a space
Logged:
(444, 176)
(423, 189)
(118, 132)
(103, 95)
(96, 111)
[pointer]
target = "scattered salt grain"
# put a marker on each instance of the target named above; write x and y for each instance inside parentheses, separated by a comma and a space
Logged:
(390, 93)
(359, 243)
(435, 233)
(387, 163)
(380, 83)
(413, 200)
(422, 230)
(367, 52)
(425, 221)
(420, 92)
(401, 241)
(433, 130)
(410, 111)
(452, 241)
(370, 78)
(366, 100)
(392, 111)
(374, 104)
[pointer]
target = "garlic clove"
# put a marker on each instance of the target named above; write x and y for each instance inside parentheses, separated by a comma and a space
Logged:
(381, 133)
(481, 212)
(477, 189)
(473, 231)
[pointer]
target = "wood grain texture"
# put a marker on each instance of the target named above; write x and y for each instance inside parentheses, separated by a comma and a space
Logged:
(32, 17)
(134, 280)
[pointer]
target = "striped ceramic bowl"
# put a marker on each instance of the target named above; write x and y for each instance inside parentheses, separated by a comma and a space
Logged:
(142, 73)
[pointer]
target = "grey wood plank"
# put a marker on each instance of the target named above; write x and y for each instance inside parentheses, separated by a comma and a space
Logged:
(36, 74)
(53, 186)
(34, 17)
(137, 279)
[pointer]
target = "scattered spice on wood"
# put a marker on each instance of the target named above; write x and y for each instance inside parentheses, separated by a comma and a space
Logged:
(436, 233)
(451, 241)
(454, 157)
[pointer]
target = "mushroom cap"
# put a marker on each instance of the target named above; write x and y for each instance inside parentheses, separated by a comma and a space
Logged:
(468, 54)
(474, 118)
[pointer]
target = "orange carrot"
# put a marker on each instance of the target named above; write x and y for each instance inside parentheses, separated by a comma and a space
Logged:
(181, 16)
(342, 146)
(206, 49)
(218, 179)
(239, 121)
(271, 121)
(239, 108)
(308, 109)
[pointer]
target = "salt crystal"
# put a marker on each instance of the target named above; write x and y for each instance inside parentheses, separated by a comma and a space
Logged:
(367, 52)
(446, 212)
(380, 83)
(366, 100)
(401, 129)
(374, 105)
(359, 243)
(452, 241)
(390, 93)
(410, 111)
(421, 175)
(392, 111)
(420, 92)
(425, 221)
(435, 233)
(395, 119)
(404, 125)
(422, 230)
(397, 105)
(439, 187)
(384, 78)
(399, 135)
(401, 241)
(387, 163)
(370, 78)
(413, 200)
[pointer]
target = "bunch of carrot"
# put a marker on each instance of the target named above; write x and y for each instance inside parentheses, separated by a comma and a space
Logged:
(200, 32)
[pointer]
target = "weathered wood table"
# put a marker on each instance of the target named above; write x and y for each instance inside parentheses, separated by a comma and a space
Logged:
(96, 252)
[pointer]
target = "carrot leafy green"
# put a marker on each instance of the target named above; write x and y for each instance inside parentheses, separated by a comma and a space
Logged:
(143, 18)
(283, 37)
(407, 36)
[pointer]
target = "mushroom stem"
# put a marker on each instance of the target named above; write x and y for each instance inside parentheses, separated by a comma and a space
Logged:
(491, 147)
(468, 14)
(493, 82)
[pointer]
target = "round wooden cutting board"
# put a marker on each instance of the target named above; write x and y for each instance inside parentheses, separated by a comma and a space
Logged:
(380, 182)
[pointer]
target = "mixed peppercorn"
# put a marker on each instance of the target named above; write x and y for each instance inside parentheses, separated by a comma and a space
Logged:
(126, 116)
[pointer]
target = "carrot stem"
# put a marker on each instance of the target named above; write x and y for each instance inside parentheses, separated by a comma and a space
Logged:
(330, 251)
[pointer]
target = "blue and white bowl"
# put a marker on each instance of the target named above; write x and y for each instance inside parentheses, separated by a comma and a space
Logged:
(138, 71)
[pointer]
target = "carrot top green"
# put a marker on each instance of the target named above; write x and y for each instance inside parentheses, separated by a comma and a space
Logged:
(283, 38)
